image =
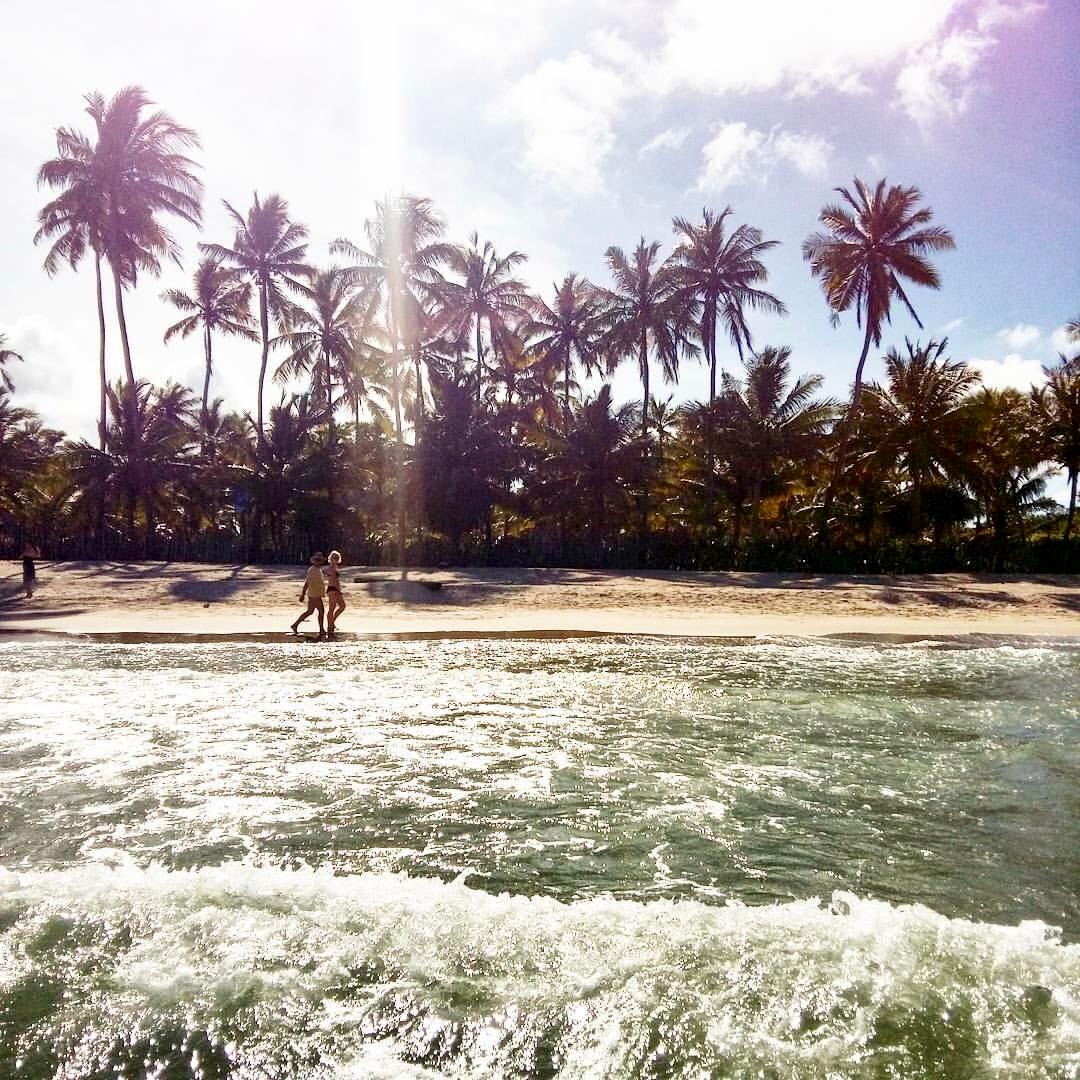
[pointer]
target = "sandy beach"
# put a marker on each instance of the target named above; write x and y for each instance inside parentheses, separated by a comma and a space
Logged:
(110, 598)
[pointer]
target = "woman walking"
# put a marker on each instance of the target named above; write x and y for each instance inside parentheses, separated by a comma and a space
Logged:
(334, 595)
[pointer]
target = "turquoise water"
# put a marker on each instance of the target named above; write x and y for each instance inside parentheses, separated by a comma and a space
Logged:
(492, 857)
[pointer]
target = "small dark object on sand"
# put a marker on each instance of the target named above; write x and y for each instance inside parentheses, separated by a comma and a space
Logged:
(432, 586)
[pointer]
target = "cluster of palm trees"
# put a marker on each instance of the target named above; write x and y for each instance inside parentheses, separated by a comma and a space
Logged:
(431, 404)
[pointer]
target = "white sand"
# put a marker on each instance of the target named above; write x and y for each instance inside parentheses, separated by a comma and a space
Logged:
(190, 598)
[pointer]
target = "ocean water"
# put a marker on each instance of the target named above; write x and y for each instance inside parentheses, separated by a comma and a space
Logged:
(600, 857)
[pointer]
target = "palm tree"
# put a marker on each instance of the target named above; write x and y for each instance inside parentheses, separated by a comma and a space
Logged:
(1057, 405)
(646, 315)
(916, 415)
(763, 423)
(879, 238)
(591, 466)
(720, 275)
(74, 220)
(268, 250)
(217, 302)
(1073, 329)
(1002, 465)
(573, 326)
(143, 176)
(487, 291)
(6, 355)
(322, 338)
(145, 455)
(401, 268)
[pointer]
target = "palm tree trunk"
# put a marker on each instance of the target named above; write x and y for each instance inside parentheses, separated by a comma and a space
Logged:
(843, 429)
(643, 361)
(1072, 505)
(264, 326)
(102, 415)
(329, 396)
(479, 361)
(566, 392)
(399, 438)
(122, 320)
(856, 390)
(420, 413)
(206, 380)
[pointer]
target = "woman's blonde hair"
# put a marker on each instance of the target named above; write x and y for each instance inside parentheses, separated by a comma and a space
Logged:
(335, 556)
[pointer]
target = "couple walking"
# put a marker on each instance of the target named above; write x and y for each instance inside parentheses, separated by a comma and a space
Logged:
(318, 584)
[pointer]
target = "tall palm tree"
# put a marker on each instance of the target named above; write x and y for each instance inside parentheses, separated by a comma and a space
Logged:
(6, 355)
(916, 416)
(872, 243)
(487, 291)
(268, 250)
(401, 267)
(74, 221)
(573, 326)
(720, 274)
(647, 315)
(217, 301)
(401, 264)
(143, 176)
(1057, 404)
(323, 336)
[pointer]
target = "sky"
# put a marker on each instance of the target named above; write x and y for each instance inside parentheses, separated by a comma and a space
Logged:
(559, 128)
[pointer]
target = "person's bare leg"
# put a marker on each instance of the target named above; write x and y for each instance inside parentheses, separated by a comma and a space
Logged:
(320, 608)
(337, 606)
(310, 608)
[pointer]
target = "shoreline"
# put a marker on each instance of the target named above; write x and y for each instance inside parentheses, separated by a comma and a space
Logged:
(188, 601)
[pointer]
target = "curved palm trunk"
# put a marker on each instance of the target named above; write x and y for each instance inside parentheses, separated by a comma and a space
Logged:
(479, 360)
(856, 390)
(1072, 505)
(843, 429)
(102, 415)
(264, 326)
(206, 380)
(122, 320)
(709, 342)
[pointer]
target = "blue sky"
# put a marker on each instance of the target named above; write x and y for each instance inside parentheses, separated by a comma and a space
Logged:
(559, 128)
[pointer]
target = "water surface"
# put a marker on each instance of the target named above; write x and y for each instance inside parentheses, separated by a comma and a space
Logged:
(624, 857)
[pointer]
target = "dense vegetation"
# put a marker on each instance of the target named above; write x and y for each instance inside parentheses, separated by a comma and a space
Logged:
(433, 410)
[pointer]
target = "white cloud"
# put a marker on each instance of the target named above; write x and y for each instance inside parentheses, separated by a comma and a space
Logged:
(831, 44)
(669, 139)
(58, 378)
(926, 51)
(934, 84)
(936, 81)
(1063, 342)
(953, 324)
(566, 109)
(1014, 371)
(738, 154)
(1019, 336)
